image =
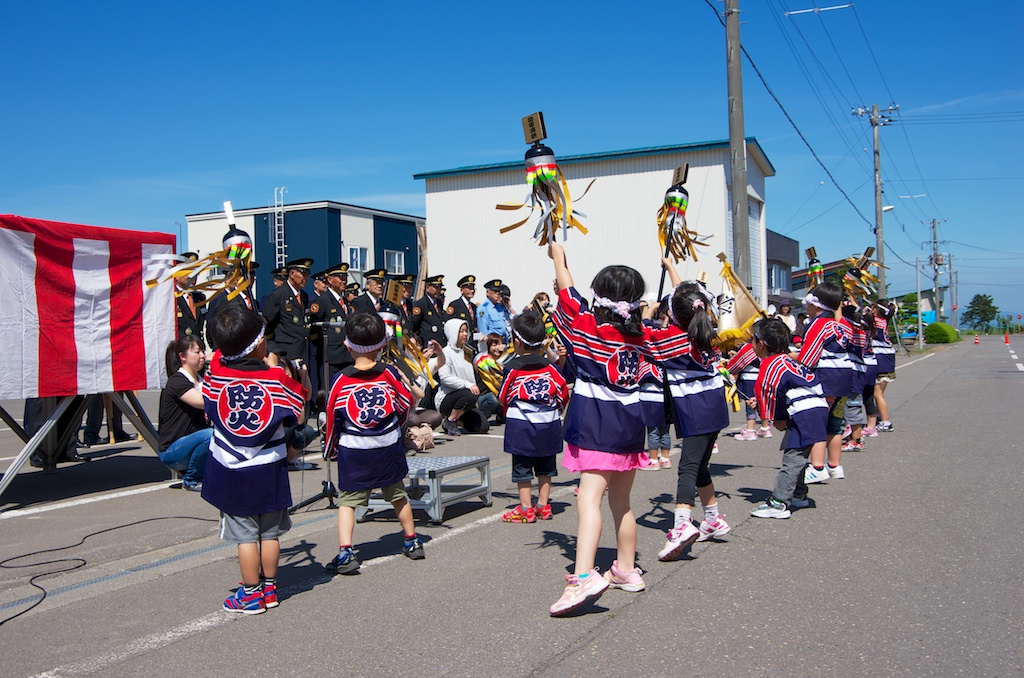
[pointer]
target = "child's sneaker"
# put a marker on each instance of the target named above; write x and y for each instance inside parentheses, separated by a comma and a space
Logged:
(344, 563)
(852, 445)
(714, 449)
(413, 548)
(847, 430)
(518, 515)
(870, 432)
(655, 465)
(813, 475)
(678, 539)
(799, 503)
(627, 581)
(543, 511)
(746, 434)
(835, 472)
(884, 426)
(270, 595)
(716, 528)
(246, 604)
(764, 432)
(578, 592)
(770, 508)
(665, 462)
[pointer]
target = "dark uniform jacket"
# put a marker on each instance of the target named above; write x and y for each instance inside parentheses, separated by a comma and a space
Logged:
(189, 325)
(364, 304)
(405, 315)
(287, 328)
(428, 320)
(327, 308)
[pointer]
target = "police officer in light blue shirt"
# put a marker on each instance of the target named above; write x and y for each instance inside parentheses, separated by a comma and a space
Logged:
(494, 315)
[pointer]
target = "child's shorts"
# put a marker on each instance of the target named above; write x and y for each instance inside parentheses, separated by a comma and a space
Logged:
(356, 498)
(885, 377)
(751, 413)
(835, 417)
(659, 437)
(525, 468)
(252, 529)
(853, 412)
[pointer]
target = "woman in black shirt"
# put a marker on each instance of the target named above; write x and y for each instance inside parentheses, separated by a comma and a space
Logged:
(184, 433)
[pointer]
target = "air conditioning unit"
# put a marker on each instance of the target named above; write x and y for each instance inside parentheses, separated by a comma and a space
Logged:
(775, 291)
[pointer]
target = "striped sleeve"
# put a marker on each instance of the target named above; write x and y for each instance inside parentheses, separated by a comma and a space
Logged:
(403, 398)
(743, 359)
(666, 343)
(814, 342)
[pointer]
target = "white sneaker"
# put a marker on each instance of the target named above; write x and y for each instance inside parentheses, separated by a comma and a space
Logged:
(836, 473)
(812, 475)
(746, 434)
(770, 508)
(764, 432)
(678, 539)
(716, 528)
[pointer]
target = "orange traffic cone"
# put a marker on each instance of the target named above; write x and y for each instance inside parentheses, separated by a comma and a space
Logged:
(1006, 339)
(976, 342)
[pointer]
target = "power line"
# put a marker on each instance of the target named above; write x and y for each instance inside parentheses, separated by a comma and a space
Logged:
(771, 93)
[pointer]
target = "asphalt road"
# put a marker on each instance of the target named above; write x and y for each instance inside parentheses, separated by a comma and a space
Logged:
(911, 565)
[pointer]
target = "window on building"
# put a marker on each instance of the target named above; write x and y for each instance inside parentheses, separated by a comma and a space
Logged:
(394, 261)
(358, 258)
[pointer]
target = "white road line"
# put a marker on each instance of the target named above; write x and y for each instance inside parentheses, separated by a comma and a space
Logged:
(156, 641)
(1020, 367)
(18, 513)
(915, 361)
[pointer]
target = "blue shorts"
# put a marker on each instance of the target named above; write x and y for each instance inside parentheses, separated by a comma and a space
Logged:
(525, 468)
(835, 417)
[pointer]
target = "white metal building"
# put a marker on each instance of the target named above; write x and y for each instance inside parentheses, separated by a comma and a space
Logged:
(463, 225)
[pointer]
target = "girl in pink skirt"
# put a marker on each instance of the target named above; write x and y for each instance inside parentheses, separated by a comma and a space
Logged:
(604, 430)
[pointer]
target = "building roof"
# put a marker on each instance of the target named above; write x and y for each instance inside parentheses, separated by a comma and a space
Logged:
(753, 147)
(249, 211)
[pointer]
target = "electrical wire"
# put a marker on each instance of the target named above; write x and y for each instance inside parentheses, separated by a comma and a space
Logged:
(73, 563)
(771, 93)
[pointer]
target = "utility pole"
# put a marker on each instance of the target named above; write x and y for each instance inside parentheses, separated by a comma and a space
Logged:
(737, 145)
(878, 120)
(936, 260)
(920, 324)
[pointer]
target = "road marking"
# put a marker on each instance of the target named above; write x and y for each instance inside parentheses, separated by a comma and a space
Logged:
(18, 513)
(155, 641)
(1020, 367)
(915, 361)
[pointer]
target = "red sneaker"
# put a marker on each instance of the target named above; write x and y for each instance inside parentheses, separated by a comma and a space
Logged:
(543, 511)
(518, 515)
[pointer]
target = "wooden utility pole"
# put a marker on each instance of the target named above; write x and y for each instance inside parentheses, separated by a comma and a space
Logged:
(737, 145)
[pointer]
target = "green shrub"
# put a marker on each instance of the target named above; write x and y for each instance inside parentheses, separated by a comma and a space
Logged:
(940, 333)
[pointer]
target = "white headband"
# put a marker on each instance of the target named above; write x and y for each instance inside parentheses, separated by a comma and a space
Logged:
(248, 349)
(358, 348)
(811, 299)
(531, 344)
(621, 308)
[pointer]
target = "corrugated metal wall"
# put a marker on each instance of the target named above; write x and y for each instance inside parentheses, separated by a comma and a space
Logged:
(463, 225)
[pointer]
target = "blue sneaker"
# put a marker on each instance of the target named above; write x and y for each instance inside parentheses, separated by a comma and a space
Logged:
(413, 549)
(344, 563)
(246, 604)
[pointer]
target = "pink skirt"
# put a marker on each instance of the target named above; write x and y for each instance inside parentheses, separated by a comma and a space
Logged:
(578, 459)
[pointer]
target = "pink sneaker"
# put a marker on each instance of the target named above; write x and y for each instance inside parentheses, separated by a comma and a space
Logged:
(746, 434)
(763, 432)
(717, 528)
(578, 592)
(870, 432)
(666, 462)
(678, 539)
(847, 431)
(627, 581)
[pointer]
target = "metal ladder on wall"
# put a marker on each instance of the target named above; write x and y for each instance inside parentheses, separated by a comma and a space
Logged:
(280, 255)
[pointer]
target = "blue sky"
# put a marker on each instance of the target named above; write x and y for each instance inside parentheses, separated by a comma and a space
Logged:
(133, 115)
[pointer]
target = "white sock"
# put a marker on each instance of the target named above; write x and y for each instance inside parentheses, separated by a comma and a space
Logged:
(711, 512)
(682, 517)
